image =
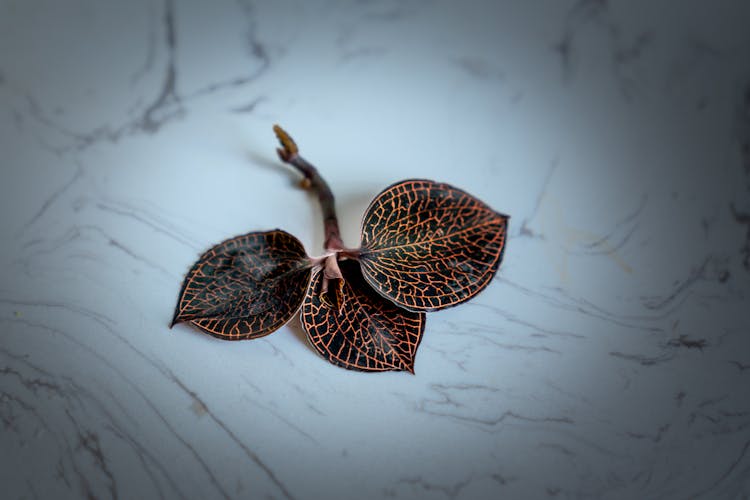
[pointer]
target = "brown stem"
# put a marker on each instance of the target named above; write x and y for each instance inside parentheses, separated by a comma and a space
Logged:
(289, 154)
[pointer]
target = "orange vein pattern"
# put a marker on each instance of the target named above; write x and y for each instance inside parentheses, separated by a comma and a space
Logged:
(427, 245)
(245, 287)
(367, 332)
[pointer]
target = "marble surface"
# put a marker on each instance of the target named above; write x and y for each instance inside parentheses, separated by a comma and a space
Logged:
(610, 357)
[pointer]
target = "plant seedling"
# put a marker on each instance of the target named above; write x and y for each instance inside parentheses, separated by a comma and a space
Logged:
(425, 246)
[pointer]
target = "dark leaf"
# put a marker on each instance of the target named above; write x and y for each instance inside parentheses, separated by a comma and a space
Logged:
(427, 246)
(366, 332)
(245, 287)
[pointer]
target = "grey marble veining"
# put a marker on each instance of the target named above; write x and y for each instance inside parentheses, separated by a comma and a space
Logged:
(610, 358)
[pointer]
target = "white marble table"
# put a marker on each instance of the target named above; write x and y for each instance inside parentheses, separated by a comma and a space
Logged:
(610, 357)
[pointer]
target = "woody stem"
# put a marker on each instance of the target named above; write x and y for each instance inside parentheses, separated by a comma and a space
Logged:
(289, 154)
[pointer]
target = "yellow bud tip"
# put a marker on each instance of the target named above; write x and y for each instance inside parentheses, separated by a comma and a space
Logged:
(290, 148)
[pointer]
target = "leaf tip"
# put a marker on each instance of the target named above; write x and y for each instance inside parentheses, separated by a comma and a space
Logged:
(176, 318)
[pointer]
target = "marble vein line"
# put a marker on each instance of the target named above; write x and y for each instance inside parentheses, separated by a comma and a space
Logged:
(279, 416)
(171, 376)
(77, 175)
(79, 232)
(248, 452)
(730, 470)
(565, 301)
(156, 223)
(449, 490)
(212, 478)
(524, 230)
(602, 246)
(447, 395)
(168, 103)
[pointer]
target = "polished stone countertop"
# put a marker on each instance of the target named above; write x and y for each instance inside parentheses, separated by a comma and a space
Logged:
(609, 357)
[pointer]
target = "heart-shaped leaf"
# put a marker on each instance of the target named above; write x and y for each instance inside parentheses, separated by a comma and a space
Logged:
(365, 332)
(427, 245)
(245, 287)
